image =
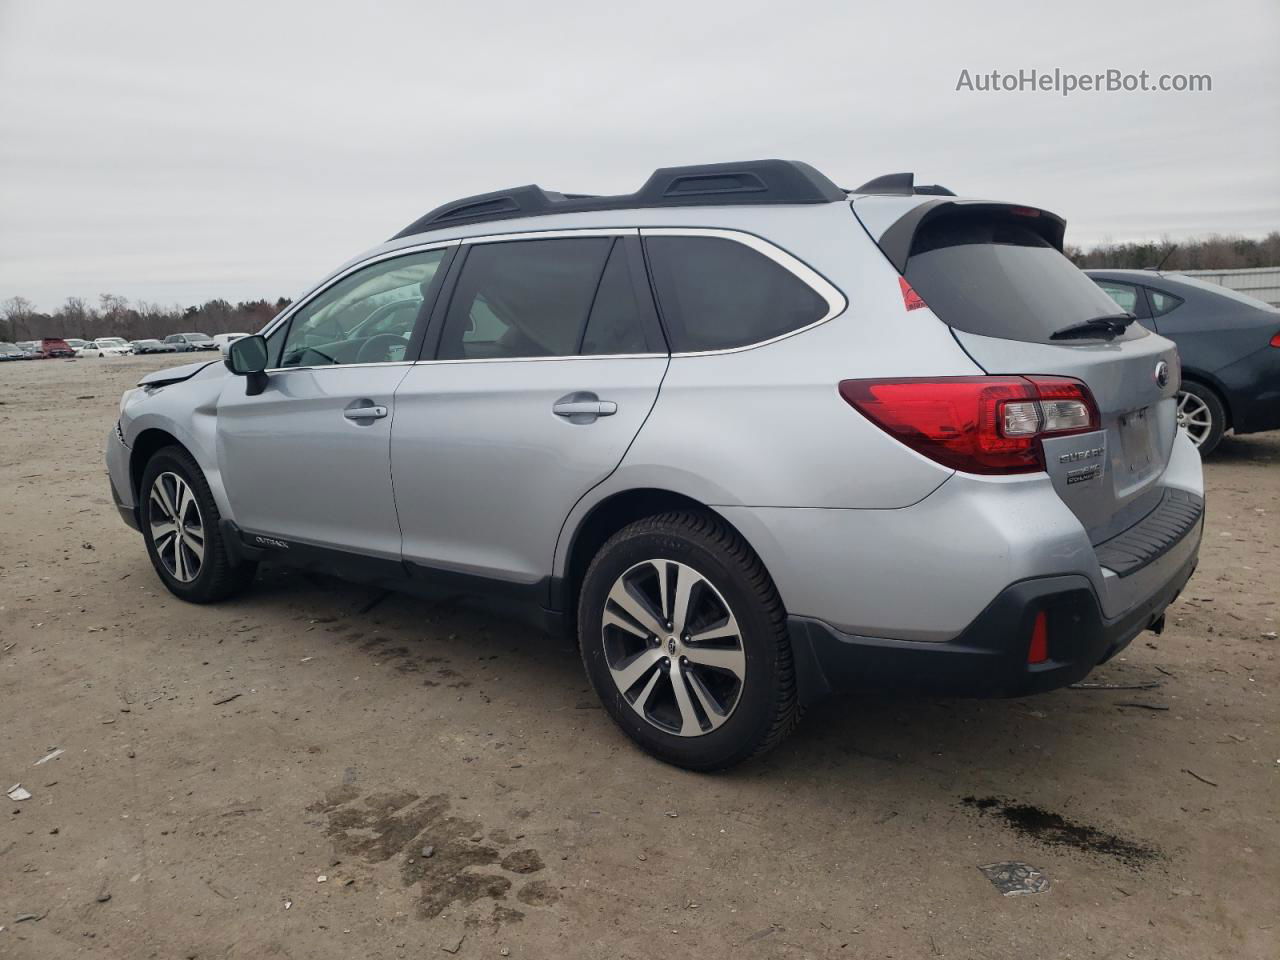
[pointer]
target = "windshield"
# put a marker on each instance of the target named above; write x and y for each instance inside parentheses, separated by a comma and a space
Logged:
(111, 342)
(197, 337)
(994, 276)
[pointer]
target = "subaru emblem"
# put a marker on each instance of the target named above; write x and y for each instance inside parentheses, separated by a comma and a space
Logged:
(1162, 374)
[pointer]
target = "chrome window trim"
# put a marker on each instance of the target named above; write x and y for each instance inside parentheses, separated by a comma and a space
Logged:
(836, 301)
(566, 234)
(557, 358)
(342, 366)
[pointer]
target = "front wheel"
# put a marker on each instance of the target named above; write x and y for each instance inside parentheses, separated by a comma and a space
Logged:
(1202, 415)
(684, 639)
(180, 524)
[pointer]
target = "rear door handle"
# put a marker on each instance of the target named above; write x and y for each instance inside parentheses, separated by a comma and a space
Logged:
(585, 408)
(376, 412)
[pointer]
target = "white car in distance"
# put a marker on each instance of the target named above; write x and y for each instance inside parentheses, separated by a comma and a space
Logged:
(223, 340)
(105, 347)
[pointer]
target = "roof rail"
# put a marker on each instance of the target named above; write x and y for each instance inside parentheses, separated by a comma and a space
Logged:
(902, 185)
(721, 184)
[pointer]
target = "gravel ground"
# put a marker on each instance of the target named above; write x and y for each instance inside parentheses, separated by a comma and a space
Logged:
(312, 772)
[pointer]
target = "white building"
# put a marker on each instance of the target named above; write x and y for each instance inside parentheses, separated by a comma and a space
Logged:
(1261, 283)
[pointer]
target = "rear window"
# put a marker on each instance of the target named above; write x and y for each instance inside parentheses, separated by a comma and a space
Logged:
(716, 294)
(999, 278)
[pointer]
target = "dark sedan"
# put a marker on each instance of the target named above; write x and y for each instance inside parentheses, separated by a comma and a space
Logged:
(152, 346)
(1229, 345)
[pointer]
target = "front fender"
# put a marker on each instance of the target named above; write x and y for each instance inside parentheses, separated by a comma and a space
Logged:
(188, 412)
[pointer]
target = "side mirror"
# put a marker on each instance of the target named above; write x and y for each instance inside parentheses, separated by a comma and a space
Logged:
(247, 357)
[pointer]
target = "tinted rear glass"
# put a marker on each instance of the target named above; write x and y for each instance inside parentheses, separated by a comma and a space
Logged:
(523, 298)
(999, 278)
(717, 294)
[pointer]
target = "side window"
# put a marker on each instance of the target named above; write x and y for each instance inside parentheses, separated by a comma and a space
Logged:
(1124, 294)
(615, 324)
(367, 317)
(716, 293)
(1161, 302)
(523, 298)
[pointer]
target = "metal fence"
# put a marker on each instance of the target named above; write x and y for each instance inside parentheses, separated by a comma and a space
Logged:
(1261, 283)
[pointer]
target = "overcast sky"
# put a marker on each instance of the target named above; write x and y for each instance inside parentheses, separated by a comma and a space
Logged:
(176, 152)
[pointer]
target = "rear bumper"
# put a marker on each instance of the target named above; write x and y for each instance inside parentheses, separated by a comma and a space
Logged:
(1251, 387)
(989, 658)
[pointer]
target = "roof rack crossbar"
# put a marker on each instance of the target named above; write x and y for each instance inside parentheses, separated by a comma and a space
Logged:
(745, 182)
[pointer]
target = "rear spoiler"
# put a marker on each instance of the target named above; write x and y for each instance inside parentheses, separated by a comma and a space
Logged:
(896, 241)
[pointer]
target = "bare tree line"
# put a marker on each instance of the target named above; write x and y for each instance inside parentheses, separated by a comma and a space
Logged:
(115, 316)
(1211, 253)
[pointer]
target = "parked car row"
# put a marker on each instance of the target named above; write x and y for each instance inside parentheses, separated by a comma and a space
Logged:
(104, 347)
(43, 349)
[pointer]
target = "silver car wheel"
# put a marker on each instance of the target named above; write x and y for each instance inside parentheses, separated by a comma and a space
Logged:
(673, 647)
(177, 529)
(1195, 417)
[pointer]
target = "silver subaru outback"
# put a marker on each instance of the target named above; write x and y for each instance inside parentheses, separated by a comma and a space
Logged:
(749, 437)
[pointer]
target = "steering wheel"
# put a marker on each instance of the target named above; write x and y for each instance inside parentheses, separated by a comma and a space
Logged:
(377, 349)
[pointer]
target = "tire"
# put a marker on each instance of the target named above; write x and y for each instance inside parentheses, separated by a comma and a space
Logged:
(214, 577)
(725, 715)
(1196, 403)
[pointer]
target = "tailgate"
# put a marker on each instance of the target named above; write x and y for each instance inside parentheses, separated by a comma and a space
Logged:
(995, 273)
(1110, 479)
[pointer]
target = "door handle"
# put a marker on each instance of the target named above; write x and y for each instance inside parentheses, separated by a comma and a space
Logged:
(585, 408)
(376, 412)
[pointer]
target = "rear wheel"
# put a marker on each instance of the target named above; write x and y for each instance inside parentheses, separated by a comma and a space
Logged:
(1202, 415)
(181, 527)
(684, 639)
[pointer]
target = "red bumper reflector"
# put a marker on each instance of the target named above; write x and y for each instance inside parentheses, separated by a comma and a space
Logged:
(1038, 652)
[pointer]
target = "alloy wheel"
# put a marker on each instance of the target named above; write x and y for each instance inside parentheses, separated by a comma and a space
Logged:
(673, 647)
(1195, 417)
(177, 528)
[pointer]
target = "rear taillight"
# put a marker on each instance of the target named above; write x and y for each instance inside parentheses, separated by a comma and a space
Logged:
(986, 425)
(1275, 341)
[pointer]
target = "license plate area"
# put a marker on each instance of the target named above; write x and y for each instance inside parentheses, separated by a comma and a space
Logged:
(1137, 461)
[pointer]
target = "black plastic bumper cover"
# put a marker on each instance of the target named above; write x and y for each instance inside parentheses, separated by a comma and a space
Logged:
(989, 659)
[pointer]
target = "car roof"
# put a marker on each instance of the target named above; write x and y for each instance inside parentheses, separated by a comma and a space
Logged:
(746, 182)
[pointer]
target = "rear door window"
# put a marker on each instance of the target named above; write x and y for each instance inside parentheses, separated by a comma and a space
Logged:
(991, 275)
(523, 298)
(716, 294)
(615, 325)
(1161, 302)
(1126, 295)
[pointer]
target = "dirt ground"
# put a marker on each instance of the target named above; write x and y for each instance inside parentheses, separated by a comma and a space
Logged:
(262, 778)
